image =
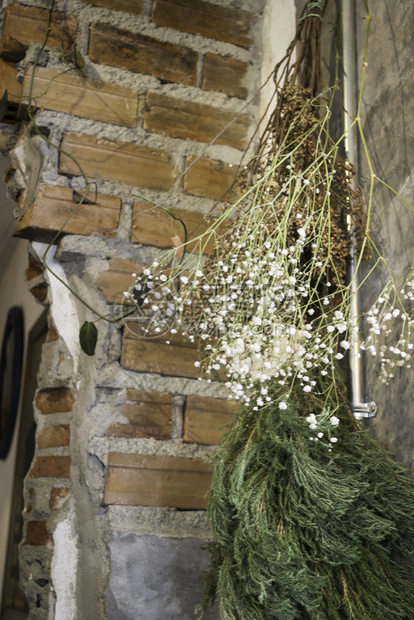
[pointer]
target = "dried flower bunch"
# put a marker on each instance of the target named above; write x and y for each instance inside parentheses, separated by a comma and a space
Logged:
(272, 300)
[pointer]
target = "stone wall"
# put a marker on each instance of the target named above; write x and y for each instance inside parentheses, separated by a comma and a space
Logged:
(115, 497)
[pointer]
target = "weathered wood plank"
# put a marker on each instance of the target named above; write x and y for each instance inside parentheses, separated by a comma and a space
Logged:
(118, 278)
(8, 81)
(224, 75)
(210, 179)
(204, 18)
(52, 207)
(136, 52)
(136, 480)
(204, 418)
(24, 25)
(149, 414)
(155, 355)
(86, 98)
(153, 226)
(117, 161)
(194, 121)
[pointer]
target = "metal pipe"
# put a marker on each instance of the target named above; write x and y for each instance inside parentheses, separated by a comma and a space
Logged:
(360, 409)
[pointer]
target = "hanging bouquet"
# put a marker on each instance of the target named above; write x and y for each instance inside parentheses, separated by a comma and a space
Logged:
(308, 513)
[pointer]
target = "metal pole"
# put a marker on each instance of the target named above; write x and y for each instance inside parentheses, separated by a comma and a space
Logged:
(359, 408)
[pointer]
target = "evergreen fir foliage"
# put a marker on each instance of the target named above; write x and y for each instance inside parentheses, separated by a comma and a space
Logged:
(305, 528)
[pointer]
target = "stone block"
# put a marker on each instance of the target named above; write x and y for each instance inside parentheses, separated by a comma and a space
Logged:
(24, 25)
(50, 467)
(53, 206)
(210, 179)
(204, 18)
(118, 278)
(36, 534)
(155, 355)
(156, 578)
(194, 121)
(205, 419)
(54, 400)
(149, 415)
(138, 480)
(58, 497)
(153, 226)
(130, 6)
(54, 437)
(100, 101)
(117, 161)
(224, 75)
(141, 54)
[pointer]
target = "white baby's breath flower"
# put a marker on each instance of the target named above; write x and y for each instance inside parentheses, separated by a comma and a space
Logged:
(282, 405)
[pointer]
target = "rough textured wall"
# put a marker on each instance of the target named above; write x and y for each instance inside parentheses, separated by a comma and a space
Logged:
(115, 498)
(387, 112)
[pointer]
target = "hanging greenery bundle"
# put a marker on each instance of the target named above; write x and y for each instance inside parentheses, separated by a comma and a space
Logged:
(307, 511)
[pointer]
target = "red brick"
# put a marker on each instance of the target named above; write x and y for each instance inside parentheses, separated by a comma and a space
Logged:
(58, 497)
(224, 75)
(117, 161)
(50, 467)
(34, 269)
(204, 18)
(135, 52)
(54, 400)
(39, 291)
(130, 6)
(52, 334)
(194, 121)
(135, 480)
(36, 534)
(54, 437)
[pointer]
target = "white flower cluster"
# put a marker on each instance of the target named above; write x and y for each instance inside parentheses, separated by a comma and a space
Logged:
(319, 424)
(390, 323)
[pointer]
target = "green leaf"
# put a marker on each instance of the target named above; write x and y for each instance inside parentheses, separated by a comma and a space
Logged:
(3, 105)
(88, 337)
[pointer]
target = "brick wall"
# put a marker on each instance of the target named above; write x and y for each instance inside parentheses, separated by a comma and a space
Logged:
(122, 438)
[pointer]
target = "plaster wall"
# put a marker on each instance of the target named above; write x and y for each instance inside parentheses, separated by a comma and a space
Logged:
(387, 112)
